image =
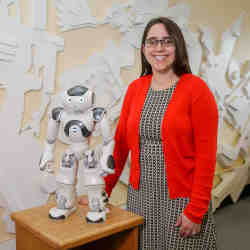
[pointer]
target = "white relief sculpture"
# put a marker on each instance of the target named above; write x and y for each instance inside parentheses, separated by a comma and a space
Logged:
(233, 72)
(39, 14)
(231, 153)
(119, 17)
(4, 8)
(8, 48)
(20, 182)
(74, 14)
(143, 7)
(45, 64)
(238, 102)
(18, 176)
(207, 70)
(4, 4)
(239, 110)
(44, 61)
(18, 40)
(247, 78)
(214, 67)
(76, 118)
(239, 83)
(131, 19)
(229, 39)
(244, 150)
(237, 105)
(247, 90)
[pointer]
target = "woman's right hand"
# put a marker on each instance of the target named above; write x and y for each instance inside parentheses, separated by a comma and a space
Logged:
(83, 201)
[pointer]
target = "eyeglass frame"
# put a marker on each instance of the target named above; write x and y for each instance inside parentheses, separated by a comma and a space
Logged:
(162, 41)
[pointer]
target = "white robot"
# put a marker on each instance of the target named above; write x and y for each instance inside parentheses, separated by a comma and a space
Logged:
(76, 119)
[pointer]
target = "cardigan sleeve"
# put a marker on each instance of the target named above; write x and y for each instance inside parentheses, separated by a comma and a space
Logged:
(204, 117)
(121, 149)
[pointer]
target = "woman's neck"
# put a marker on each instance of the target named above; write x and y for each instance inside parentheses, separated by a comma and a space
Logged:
(163, 81)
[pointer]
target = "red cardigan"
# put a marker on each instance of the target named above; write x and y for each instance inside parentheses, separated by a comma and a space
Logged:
(189, 137)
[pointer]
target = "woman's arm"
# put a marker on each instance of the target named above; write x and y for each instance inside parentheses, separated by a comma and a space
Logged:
(204, 116)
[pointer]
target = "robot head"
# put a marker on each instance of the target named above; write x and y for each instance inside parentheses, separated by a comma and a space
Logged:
(78, 99)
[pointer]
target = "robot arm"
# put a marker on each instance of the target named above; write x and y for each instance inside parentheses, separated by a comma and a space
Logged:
(106, 161)
(100, 116)
(47, 158)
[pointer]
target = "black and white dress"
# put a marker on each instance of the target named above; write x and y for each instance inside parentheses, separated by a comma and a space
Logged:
(152, 200)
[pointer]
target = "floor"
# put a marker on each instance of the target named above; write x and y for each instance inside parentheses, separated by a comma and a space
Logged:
(233, 223)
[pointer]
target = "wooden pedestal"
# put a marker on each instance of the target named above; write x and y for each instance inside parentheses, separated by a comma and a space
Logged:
(35, 231)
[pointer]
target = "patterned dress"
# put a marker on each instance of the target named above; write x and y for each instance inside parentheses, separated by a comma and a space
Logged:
(152, 200)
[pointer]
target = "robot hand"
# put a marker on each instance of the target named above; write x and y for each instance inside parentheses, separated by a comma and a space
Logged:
(33, 126)
(107, 161)
(107, 165)
(46, 162)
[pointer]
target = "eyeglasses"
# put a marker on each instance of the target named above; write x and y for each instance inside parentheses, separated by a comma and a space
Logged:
(165, 42)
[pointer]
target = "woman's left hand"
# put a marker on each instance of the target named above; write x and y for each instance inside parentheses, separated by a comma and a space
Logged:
(187, 227)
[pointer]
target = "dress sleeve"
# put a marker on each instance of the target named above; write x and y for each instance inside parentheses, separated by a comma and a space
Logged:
(121, 149)
(204, 117)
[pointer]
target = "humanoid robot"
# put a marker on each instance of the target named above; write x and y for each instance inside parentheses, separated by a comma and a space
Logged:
(76, 119)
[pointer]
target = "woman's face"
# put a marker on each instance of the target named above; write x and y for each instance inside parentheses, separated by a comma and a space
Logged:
(159, 49)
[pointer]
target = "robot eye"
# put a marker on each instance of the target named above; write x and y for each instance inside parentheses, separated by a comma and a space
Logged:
(68, 99)
(81, 100)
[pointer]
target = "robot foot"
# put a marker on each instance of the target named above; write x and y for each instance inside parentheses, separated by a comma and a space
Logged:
(96, 217)
(60, 214)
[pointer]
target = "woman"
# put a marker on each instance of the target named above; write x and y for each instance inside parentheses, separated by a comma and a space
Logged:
(169, 123)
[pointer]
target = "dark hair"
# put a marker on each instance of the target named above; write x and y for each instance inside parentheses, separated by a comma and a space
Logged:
(181, 63)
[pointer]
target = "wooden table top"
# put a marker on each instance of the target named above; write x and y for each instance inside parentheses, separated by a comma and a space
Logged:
(74, 231)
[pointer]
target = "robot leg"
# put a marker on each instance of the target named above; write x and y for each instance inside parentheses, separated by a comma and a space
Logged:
(66, 202)
(66, 187)
(97, 204)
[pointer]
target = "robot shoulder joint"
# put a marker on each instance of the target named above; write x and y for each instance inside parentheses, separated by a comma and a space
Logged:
(56, 114)
(98, 114)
